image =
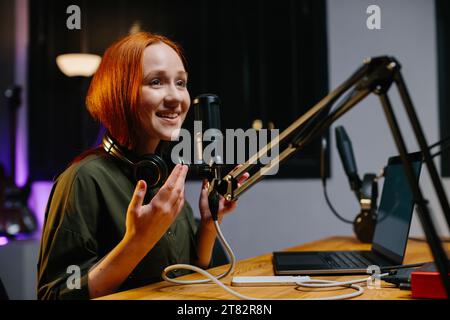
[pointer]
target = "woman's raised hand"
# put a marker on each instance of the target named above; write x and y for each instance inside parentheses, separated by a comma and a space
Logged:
(148, 223)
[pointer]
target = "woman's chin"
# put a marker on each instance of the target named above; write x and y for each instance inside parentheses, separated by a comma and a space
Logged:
(169, 135)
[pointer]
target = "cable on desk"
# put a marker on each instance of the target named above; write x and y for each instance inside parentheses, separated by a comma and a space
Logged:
(312, 283)
(402, 266)
(229, 252)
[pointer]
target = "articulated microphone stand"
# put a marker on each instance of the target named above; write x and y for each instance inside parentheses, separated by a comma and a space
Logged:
(375, 76)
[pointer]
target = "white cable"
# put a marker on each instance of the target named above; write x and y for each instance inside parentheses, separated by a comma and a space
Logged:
(312, 283)
(210, 278)
(230, 254)
(317, 283)
(359, 290)
(331, 283)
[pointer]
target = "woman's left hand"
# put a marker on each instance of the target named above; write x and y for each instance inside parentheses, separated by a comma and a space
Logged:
(225, 206)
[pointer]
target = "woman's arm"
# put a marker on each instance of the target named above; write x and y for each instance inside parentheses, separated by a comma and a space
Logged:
(145, 225)
(206, 237)
(207, 233)
(108, 274)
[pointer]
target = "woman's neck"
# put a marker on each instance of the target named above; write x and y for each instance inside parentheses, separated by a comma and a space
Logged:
(147, 147)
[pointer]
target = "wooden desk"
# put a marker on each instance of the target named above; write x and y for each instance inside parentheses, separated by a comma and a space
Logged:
(417, 251)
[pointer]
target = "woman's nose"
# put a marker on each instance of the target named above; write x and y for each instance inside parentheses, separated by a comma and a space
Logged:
(174, 95)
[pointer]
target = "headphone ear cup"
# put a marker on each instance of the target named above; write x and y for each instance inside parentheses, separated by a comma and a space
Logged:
(369, 189)
(365, 221)
(364, 226)
(152, 169)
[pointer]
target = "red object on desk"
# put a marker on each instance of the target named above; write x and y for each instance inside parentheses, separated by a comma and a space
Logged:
(426, 283)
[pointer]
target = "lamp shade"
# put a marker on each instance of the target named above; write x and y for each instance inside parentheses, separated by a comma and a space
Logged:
(78, 64)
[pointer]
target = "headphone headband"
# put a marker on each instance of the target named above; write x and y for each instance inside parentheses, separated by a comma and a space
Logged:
(112, 148)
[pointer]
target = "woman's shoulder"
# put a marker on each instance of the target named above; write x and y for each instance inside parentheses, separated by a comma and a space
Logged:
(93, 165)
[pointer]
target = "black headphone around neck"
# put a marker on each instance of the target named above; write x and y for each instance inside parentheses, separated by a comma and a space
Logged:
(150, 167)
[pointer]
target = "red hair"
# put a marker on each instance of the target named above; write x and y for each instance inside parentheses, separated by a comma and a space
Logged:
(115, 90)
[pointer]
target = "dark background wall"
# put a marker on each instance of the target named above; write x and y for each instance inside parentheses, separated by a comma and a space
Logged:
(265, 59)
(443, 41)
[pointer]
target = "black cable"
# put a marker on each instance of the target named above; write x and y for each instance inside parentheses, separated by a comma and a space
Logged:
(343, 101)
(324, 182)
(440, 151)
(325, 193)
(402, 266)
(446, 139)
(443, 143)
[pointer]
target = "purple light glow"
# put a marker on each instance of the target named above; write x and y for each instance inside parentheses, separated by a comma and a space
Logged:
(3, 241)
(20, 77)
(40, 191)
(21, 156)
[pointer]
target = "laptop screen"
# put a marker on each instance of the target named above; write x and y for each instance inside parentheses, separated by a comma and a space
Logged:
(396, 209)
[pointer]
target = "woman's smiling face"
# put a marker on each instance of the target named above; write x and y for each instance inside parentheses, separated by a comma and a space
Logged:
(164, 99)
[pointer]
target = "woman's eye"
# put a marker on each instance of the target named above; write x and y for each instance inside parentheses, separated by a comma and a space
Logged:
(155, 82)
(181, 83)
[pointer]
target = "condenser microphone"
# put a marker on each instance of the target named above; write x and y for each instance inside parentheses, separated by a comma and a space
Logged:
(366, 190)
(207, 110)
(207, 132)
(344, 146)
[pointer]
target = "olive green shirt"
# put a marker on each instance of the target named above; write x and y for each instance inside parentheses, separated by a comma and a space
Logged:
(85, 220)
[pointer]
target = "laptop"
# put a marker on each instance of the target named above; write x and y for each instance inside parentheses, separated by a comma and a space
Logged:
(390, 237)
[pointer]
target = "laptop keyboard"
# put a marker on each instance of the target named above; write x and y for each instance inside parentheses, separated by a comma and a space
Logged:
(347, 260)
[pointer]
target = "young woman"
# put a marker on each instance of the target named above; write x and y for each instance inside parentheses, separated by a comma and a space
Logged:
(104, 224)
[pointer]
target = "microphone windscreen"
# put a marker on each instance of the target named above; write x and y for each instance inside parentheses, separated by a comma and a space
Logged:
(207, 110)
(344, 146)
